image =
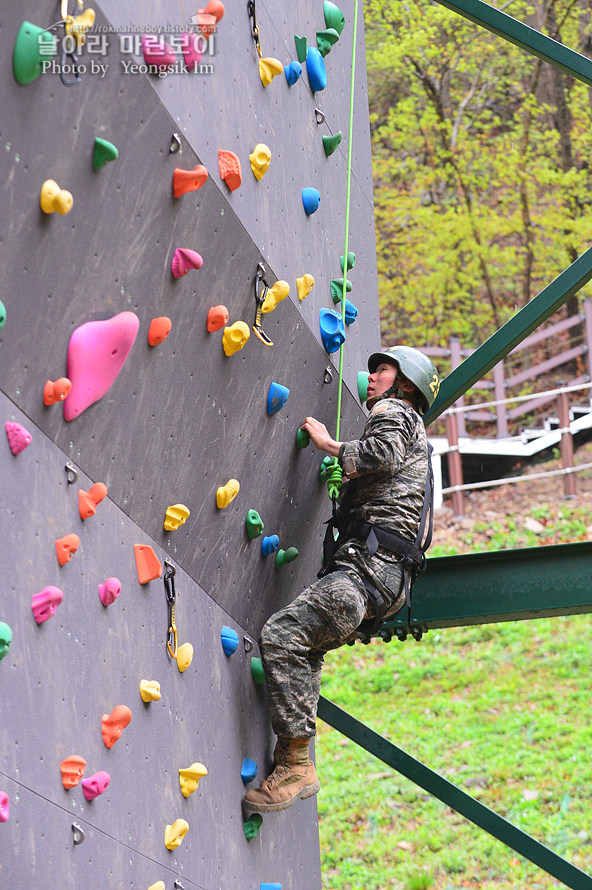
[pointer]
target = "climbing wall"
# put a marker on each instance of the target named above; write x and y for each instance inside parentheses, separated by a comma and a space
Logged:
(175, 424)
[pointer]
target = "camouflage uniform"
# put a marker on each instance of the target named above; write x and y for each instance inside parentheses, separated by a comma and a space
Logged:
(386, 471)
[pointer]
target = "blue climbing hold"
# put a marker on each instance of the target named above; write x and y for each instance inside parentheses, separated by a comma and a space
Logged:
(311, 198)
(315, 68)
(270, 886)
(351, 313)
(293, 72)
(332, 329)
(248, 770)
(277, 397)
(269, 545)
(229, 639)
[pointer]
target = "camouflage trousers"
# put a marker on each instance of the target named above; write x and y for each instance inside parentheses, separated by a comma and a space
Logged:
(294, 642)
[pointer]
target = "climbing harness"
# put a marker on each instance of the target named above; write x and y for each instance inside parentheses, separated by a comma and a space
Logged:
(255, 27)
(259, 301)
(171, 597)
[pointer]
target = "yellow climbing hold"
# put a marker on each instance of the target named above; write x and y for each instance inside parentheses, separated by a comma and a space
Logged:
(53, 199)
(275, 295)
(234, 337)
(175, 516)
(160, 885)
(175, 833)
(227, 493)
(189, 778)
(260, 159)
(304, 285)
(149, 690)
(268, 69)
(184, 656)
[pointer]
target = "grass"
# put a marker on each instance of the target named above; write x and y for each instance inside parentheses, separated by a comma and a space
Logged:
(501, 710)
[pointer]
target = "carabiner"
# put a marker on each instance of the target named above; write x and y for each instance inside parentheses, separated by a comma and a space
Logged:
(171, 597)
(255, 27)
(172, 638)
(259, 301)
(73, 66)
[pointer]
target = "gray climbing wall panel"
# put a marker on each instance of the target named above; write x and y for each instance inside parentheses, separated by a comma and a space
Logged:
(180, 420)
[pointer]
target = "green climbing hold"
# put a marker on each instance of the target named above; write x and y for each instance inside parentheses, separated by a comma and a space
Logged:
(337, 289)
(302, 439)
(326, 39)
(330, 143)
(2, 314)
(28, 58)
(283, 557)
(351, 260)
(5, 638)
(363, 385)
(103, 153)
(301, 48)
(257, 670)
(252, 826)
(334, 18)
(254, 524)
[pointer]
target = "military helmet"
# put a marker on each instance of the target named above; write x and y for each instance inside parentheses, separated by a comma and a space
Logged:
(415, 366)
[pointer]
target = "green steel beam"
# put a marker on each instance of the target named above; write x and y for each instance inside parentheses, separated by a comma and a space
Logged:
(523, 36)
(453, 796)
(512, 333)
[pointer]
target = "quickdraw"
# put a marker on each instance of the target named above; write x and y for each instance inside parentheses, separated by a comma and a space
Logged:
(255, 27)
(171, 597)
(259, 301)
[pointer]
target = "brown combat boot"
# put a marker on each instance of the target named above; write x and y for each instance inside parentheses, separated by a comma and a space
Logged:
(294, 778)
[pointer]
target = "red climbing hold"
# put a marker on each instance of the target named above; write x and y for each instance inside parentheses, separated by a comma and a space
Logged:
(66, 547)
(230, 168)
(88, 500)
(147, 563)
(188, 180)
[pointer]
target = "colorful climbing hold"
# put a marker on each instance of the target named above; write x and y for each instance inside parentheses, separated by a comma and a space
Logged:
(275, 294)
(97, 352)
(326, 40)
(332, 329)
(304, 285)
(227, 493)
(103, 153)
(149, 690)
(283, 557)
(174, 834)
(189, 778)
(351, 261)
(234, 337)
(350, 312)
(248, 770)
(217, 318)
(157, 52)
(159, 330)
(252, 825)
(66, 547)
(184, 656)
(230, 168)
(260, 159)
(45, 603)
(315, 68)
(277, 397)
(33, 46)
(2, 314)
(311, 198)
(188, 180)
(337, 289)
(53, 199)
(334, 18)
(147, 563)
(184, 260)
(208, 18)
(113, 724)
(330, 143)
(268, 69)
(269, 545)
(254, 524)
(270, 887)
(4, 807)
(56, 390)
(257, 671)
(363, 385)
(160, 885)
(18, 437)
(192, 47)
(76, 26)
(95, 785)
(175, 516)
(301, 44)
(293, 72)
(302, 439)
(109, 590)
(72, 770)
(229, 638)
(88, 500)
(5, 638)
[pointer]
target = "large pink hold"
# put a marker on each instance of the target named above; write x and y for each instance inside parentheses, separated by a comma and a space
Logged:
(184, 260)
(18, 437)
(109, 590)
(45, 603)
(95, 785)
(157, 52)
(96, 354)
(4, 807)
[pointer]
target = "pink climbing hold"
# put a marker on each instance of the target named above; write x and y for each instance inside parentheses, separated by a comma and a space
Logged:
(95, 784)
(45, 603)
(184, 260)
(88, 500)
(4, 808)
(192, 47)
(230, 168)
(109, 590)
(157, 52)
(96, 354)
(18, 437)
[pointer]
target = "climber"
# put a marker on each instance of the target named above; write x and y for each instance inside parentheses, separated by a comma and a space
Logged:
(379, 512)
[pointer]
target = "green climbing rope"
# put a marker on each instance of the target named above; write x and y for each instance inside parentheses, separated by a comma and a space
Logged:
(335, 476)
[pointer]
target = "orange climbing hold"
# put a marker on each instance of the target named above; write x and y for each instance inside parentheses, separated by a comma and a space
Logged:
(88, 500)
(72, 770)
(66, 547)
(113, 724)
(188, 180)
(147, 563)
(208, 18)
(217, 318)
(56, 390)
(230, 168)
(159, 330)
